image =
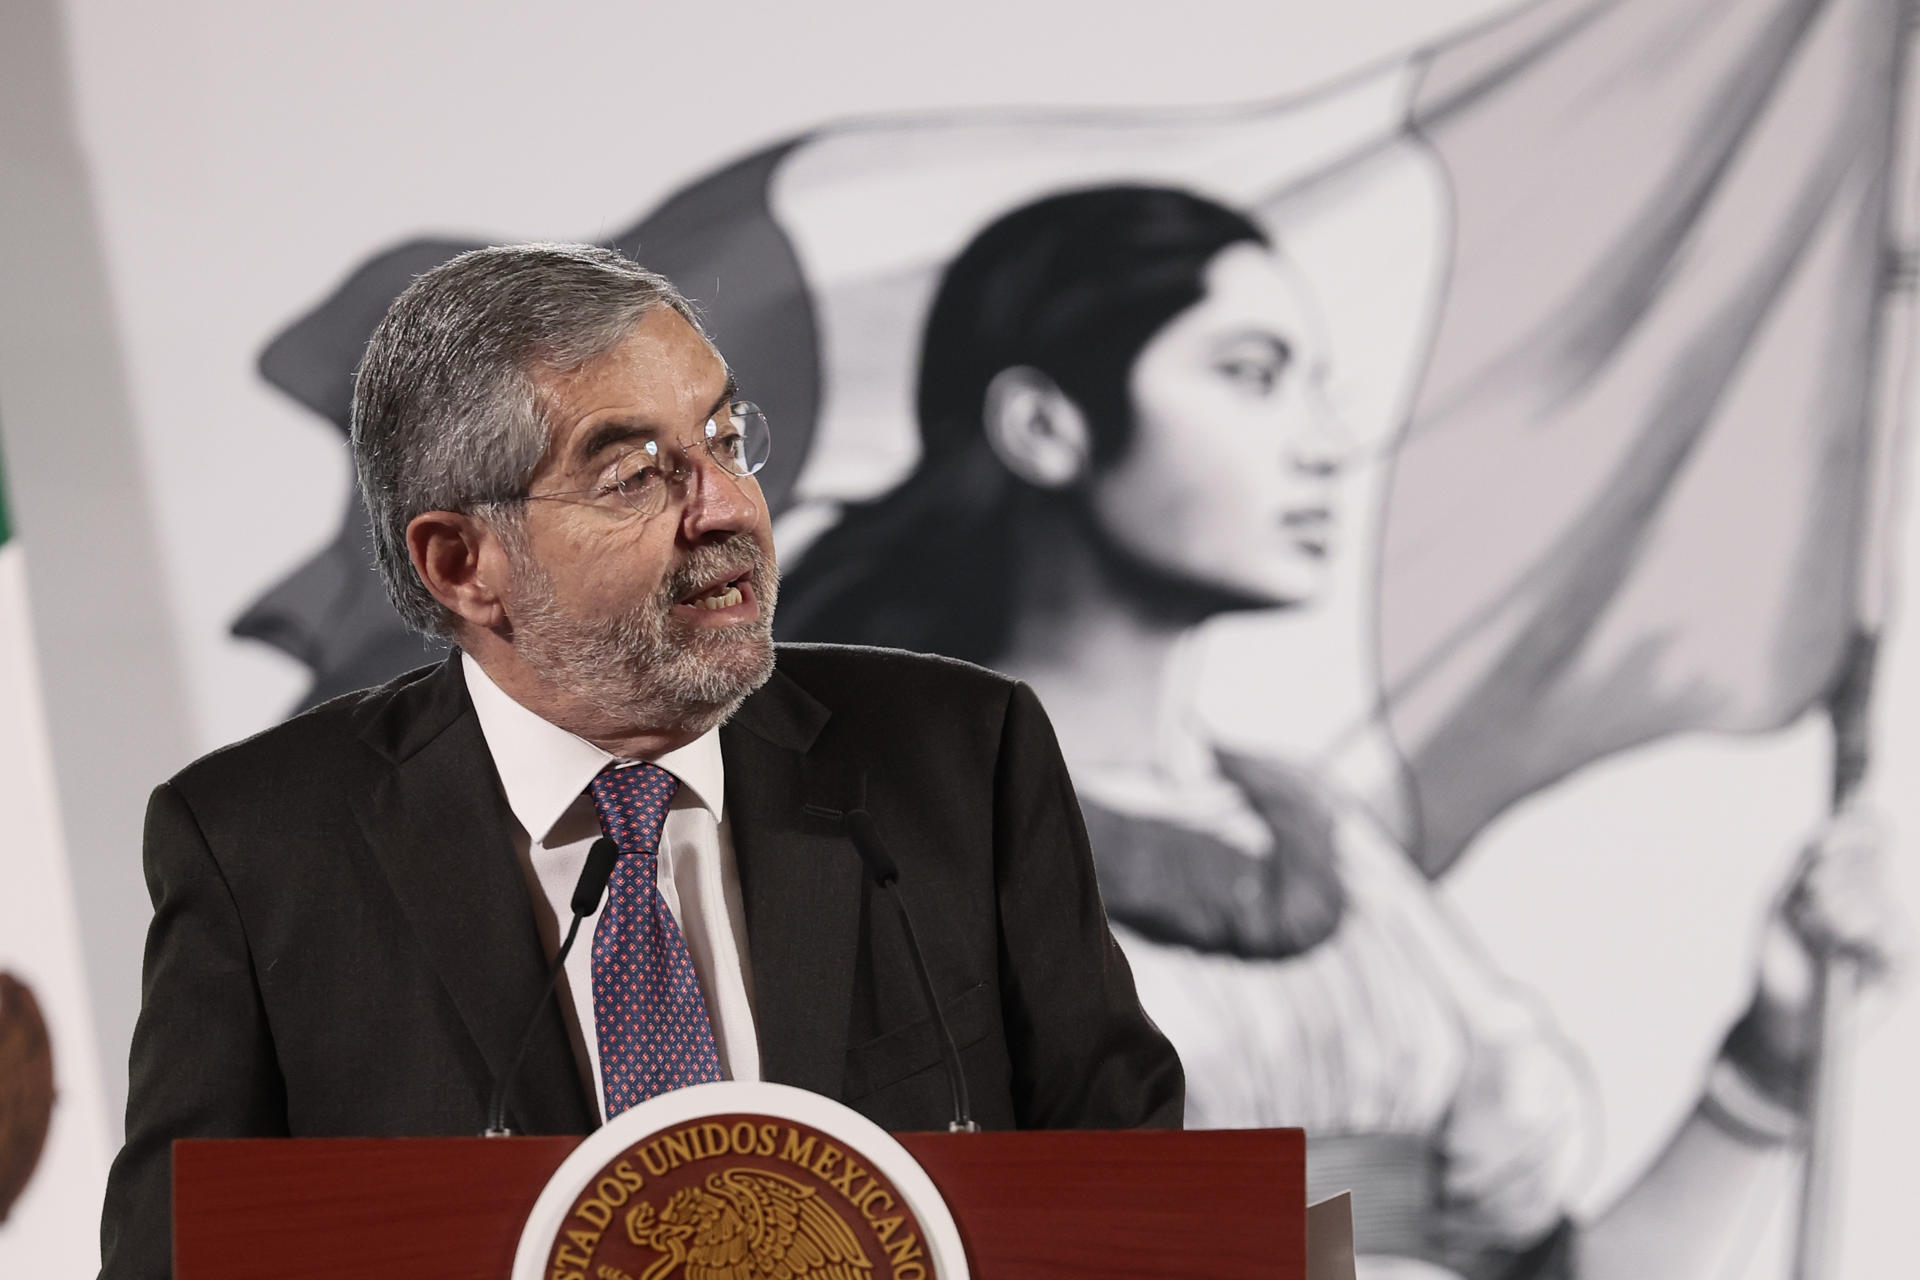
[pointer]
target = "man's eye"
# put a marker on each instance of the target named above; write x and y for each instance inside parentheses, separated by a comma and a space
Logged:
(635, 472)
(730, 448)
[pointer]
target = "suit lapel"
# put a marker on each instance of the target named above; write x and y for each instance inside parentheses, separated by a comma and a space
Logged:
(441, 829)
(801, 881)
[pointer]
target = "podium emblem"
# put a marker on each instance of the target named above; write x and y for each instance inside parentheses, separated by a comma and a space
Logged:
(741, 1181)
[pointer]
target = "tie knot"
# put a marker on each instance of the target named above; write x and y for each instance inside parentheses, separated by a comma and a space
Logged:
(632, 803)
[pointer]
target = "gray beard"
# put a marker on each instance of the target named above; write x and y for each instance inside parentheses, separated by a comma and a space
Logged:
(641, 667)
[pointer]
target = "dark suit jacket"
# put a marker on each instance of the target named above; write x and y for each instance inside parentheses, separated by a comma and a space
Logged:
(343, 943)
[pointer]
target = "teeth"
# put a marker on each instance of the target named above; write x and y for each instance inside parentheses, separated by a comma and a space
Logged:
(725, 600)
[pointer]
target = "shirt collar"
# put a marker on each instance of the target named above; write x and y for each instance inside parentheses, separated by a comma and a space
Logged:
(544, 768)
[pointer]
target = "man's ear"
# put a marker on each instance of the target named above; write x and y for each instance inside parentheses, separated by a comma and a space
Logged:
(1035, 428)
(457, 558)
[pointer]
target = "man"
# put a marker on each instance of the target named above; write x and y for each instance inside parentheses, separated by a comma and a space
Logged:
(354, 911)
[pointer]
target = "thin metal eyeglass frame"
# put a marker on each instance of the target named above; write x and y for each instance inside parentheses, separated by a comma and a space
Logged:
(678, 477)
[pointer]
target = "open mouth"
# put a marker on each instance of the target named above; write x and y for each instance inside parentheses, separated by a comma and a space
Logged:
(723, 593)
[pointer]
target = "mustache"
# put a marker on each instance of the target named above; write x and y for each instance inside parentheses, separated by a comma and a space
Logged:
(738, 554)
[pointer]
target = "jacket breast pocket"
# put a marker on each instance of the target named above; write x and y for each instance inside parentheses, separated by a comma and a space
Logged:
(972, 1015)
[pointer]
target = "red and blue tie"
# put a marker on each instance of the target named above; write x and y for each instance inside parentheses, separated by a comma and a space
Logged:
(648, 1014)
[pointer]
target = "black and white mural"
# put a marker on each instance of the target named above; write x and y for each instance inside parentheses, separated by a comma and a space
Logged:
(1449, 509)
(1341, 471)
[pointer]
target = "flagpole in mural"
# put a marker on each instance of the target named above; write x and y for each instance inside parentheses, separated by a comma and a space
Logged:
(1837, 978)
(1850, 705)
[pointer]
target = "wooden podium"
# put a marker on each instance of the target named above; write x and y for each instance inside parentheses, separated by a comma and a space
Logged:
(1030, 1206)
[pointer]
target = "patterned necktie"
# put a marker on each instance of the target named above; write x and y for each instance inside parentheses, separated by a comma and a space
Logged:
(648, 1014)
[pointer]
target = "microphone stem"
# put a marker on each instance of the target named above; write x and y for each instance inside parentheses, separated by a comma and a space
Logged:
(497, 1113)
(956, 1076)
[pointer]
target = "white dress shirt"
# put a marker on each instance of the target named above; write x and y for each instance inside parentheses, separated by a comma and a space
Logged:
(545, 771)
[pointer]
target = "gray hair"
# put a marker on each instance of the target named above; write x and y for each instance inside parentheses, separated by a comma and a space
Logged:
(446, 414)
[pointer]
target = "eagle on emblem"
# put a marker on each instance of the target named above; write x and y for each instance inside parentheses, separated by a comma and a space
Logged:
(745, 1225)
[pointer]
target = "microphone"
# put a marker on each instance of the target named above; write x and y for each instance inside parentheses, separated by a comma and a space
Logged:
(885, 875)
(586, 901)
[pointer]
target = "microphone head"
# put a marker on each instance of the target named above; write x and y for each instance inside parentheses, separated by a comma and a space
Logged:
(594, 876)
(866, 839)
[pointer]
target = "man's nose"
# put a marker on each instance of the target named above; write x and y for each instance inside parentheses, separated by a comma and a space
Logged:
(717, 501)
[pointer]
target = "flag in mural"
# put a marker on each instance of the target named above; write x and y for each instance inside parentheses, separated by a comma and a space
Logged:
(1340, 470)
(52, 1131)
(1634, 494)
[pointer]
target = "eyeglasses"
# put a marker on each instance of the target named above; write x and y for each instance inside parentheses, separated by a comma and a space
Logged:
(738, 440)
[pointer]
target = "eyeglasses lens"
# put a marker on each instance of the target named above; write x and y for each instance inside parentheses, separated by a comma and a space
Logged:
(740, 442)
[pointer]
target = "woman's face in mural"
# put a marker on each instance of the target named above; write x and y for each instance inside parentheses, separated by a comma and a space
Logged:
(1231, 476)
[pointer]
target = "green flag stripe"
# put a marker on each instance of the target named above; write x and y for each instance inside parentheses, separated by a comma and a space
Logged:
(6, 528)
